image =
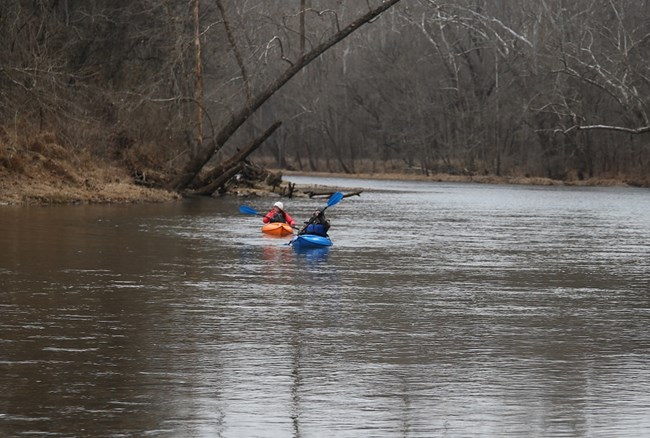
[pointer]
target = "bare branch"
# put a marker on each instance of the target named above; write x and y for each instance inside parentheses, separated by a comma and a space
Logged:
(641, 130)
(329, 11)
(270, 44)
(235, 49)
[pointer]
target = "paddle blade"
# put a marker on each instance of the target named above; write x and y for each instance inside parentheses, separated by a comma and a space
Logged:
(335, 199)
(247, 210)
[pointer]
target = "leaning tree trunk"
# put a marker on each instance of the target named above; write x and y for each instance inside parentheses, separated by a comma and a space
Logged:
(220, 175)
(196, 164)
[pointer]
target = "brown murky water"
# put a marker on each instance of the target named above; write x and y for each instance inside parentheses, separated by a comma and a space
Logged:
(441, 310)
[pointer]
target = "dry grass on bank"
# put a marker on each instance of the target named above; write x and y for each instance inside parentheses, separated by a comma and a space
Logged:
(41, 171)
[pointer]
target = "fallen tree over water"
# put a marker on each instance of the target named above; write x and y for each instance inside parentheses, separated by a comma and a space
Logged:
(220, 175)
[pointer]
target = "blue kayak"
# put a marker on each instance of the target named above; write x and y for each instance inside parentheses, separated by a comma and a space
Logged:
(310, 241)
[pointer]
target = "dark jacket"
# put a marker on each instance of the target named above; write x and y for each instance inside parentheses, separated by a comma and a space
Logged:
(318, 224)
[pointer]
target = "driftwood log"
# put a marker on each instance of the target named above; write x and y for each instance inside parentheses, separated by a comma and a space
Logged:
(327, 194)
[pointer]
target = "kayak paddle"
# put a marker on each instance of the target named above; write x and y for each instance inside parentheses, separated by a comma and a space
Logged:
(333, 200)
(245, 209)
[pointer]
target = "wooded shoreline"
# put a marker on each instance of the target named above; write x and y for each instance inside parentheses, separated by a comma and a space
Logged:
(153, 102)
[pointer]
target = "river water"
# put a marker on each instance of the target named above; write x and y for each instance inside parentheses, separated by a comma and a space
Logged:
(441, 310)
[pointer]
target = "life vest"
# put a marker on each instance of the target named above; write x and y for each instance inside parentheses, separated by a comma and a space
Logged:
(318, 229)
(278, 217)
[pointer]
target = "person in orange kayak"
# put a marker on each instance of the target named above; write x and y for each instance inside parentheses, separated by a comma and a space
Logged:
(277, 214)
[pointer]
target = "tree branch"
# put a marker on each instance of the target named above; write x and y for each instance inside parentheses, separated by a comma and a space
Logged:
(194, 166)
(235, 49)
(641, 130)
(229, 168)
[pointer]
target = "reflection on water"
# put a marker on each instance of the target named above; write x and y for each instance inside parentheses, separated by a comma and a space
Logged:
(441, 309)
(311, 255)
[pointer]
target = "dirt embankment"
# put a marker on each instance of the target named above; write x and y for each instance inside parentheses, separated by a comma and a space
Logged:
(43, 172)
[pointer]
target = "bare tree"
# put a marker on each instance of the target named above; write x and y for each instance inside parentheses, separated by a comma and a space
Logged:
(196, 164)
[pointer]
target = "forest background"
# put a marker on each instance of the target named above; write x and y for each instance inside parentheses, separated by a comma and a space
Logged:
(179, 95)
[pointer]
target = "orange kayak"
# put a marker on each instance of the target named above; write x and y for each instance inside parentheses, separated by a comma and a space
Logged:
(277, 229)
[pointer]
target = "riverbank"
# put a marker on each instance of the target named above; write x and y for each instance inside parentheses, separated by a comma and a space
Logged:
(113, 188)
(479, 179)
(52, 175)
(49, 182)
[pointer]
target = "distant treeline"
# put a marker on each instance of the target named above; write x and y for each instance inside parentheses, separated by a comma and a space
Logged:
(547, 88)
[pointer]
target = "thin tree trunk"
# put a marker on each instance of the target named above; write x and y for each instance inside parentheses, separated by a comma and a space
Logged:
(198, 77)
(302, 27)
(235, 49)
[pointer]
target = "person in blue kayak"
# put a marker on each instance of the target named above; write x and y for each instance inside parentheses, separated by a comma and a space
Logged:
(318, 224)
(277, 214)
